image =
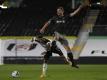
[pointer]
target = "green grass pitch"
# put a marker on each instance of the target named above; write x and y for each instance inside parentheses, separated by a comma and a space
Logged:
(55, 72)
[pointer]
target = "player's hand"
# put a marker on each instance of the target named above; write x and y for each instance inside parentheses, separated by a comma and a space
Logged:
(83, 5)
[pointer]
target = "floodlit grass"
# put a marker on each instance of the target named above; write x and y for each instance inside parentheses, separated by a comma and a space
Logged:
(55, 72)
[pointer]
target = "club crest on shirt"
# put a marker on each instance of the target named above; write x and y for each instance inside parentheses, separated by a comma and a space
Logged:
(60, 21)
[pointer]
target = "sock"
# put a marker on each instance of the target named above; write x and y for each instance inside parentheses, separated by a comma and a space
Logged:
(70, 58)
(70, 63)
(44, 69)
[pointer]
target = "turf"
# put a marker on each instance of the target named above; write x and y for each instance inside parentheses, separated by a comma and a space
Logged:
(55, 72)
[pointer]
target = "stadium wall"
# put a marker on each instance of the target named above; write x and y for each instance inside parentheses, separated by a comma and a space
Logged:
(1, 55)
(17, 51)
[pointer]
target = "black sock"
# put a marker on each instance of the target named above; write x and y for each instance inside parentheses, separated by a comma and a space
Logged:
(70, 56)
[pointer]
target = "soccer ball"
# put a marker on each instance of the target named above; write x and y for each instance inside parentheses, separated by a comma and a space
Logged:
(15, 74)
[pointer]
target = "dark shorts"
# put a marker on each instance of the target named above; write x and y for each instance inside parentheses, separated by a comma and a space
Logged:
(54, 50)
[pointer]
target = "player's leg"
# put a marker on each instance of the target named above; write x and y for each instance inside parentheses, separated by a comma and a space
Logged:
(47, 55)
(65, 44)
(57, 50)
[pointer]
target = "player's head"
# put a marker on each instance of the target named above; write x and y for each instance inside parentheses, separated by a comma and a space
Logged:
(60, 11)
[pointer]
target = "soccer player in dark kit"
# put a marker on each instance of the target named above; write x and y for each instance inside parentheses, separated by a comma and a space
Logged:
(59, 21)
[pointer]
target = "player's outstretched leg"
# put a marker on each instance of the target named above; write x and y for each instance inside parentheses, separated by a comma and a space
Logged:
(71, 61)
(64, 42)
(57, 50)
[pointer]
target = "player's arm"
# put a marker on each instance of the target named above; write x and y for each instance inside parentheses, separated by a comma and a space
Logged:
(44, 27)
(76, 11)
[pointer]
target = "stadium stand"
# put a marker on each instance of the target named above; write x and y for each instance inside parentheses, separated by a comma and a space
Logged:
(100, 28)
(24, 21)
(29, 18)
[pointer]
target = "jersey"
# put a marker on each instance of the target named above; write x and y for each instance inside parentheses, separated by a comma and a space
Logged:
(59, 23)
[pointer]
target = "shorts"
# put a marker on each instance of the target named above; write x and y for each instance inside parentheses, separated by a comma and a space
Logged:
(60, 38)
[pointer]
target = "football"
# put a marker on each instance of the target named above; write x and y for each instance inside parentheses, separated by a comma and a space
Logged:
(15, 74)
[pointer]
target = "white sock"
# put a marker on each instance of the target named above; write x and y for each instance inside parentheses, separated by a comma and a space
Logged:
(44, 69)
(70, 63)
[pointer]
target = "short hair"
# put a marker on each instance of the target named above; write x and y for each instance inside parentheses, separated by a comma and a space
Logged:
(61, 8)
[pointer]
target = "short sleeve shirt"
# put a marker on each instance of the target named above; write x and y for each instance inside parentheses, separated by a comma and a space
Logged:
(59, 23)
